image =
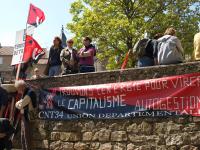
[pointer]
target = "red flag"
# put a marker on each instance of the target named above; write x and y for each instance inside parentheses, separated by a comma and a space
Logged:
(32, 49)
(125, 61)
(36, 16)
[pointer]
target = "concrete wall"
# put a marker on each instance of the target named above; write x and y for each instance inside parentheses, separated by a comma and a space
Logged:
(174, 133)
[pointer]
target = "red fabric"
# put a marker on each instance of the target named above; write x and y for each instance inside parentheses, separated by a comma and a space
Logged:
(178, 94)
(36, 16)
(32, 48)
(125, 61)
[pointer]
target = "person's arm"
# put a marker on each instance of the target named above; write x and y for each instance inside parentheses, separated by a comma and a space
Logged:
(179, 46)
(88, 53)
(62, 58)
(23, 102)
(62, 55)
(50, 54)
(76, 56)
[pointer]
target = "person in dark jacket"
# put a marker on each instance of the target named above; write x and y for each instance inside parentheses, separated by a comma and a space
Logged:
(6, 131)
(69, 58)
(3, 100)
(86, 56)
(54, 57)
(146, 50)
(155, 44)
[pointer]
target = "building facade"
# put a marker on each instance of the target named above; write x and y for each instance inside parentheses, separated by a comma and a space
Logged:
(6, 70)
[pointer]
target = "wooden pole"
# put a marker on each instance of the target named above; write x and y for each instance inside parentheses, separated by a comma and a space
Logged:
(17, 78)
(18, 71)
(25, 33)
(11, 118)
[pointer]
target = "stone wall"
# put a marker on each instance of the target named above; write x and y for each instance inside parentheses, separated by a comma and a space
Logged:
(173, 133)
(117, 75)
(135, 134)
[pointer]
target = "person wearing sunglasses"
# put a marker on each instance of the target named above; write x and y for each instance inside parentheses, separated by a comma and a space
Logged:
(69, 59)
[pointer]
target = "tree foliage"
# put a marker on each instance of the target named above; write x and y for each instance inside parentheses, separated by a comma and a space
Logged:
(116, 25)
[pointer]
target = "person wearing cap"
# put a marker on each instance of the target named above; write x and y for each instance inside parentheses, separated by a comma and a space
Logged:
(25, 104)
(69, 59)
(86, 56)
(36, 74)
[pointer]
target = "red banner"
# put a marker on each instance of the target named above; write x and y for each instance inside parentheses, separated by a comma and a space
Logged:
(176, 95)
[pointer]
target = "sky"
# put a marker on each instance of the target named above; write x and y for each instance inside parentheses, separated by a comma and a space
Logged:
(14, 16)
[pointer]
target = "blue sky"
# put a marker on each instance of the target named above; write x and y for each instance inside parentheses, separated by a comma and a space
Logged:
(14, 15)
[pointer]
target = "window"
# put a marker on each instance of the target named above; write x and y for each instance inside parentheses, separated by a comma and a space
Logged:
(1, 60)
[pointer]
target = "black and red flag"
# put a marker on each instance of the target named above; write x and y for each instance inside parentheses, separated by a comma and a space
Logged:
(36, 16)
(32, 49)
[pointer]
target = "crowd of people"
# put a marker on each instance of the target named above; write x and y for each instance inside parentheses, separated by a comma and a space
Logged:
(163, 49)
(71, 60)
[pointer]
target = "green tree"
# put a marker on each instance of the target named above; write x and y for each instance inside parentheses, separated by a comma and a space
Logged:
(116, 25)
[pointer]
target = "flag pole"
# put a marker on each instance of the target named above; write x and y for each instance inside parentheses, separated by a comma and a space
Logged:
(17, 78)
(25, 33)
(18, 70)
(124, 64)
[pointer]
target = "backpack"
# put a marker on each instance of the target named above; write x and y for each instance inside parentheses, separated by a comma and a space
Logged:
(168, 52)
(140, 47)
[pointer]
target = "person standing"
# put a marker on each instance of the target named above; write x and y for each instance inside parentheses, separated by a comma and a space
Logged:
(86, 56)
(197, 46)
(69, 59)
(26, 104)
(54, 57)
(170, 50)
